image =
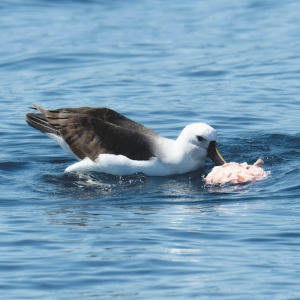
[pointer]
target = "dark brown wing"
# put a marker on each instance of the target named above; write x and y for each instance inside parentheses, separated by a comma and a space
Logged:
(92, 131)
(110, 116)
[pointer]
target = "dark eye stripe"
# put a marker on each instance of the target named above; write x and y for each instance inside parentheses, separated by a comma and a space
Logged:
(200, 138)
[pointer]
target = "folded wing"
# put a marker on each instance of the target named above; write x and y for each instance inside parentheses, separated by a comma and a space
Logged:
(93, 131)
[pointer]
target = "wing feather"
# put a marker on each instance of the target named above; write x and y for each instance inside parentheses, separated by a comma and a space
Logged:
(93, 131)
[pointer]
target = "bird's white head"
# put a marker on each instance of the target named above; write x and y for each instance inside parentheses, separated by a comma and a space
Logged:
(199, 134)
(201, 138)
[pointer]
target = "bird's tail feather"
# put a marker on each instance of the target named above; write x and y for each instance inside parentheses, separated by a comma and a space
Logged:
(39, 122)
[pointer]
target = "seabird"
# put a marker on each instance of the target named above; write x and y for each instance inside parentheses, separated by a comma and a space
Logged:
(106, 141)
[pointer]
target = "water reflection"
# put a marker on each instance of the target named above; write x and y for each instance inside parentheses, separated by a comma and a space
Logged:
(129, 212)
(229, 188)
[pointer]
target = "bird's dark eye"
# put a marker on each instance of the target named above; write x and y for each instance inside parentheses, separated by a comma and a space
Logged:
(200, 138)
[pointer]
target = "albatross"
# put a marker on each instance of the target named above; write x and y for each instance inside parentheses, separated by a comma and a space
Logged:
(105, 141)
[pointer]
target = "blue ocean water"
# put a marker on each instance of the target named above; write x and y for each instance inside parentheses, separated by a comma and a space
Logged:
(232, 64)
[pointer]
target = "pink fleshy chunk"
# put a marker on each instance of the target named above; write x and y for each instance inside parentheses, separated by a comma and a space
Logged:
(236, 173)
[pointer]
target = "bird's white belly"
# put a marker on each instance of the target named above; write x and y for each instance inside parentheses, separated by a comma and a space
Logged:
(122, 165)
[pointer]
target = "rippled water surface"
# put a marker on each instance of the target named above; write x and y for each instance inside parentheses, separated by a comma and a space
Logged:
(232, 64)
